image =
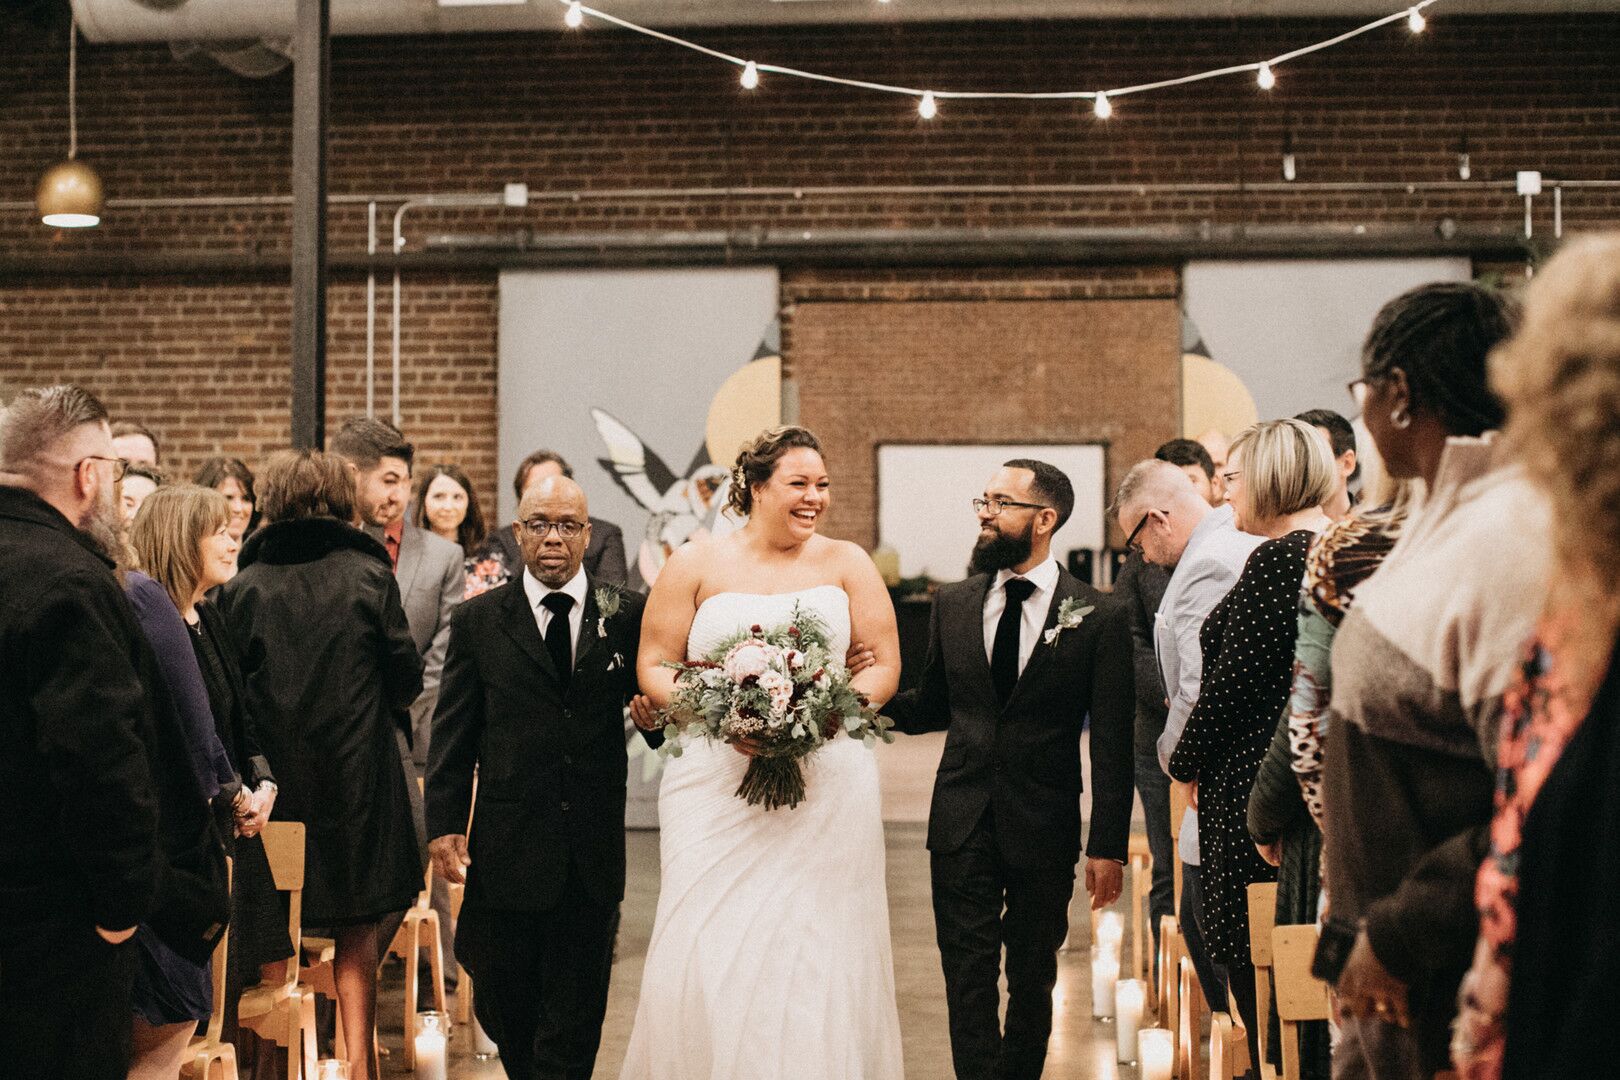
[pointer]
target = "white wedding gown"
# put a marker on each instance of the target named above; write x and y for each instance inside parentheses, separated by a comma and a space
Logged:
(770, 956)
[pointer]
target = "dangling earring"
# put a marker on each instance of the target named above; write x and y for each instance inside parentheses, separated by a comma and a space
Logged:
(1400, 419)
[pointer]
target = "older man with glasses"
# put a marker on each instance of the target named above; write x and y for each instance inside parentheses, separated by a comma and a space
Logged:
(1170, 523)
(78, 783)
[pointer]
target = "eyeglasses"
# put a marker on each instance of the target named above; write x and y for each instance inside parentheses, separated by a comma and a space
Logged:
(994, 507)
(1130, 541)
(567, 530)
(120, 465)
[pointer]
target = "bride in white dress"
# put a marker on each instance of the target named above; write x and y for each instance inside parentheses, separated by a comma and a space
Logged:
(770, 956)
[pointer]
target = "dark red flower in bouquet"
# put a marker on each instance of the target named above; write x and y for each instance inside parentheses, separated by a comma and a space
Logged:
(755, 629)
(793, 631)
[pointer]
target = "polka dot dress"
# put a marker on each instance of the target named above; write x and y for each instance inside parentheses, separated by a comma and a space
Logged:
(1248, 645)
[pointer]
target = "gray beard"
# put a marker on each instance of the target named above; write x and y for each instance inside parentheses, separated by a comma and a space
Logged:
(101, 524)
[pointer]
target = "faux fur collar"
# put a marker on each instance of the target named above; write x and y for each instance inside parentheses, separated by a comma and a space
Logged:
(305, 540)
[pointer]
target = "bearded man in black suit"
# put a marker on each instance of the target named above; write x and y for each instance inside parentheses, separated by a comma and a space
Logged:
(1020, 654)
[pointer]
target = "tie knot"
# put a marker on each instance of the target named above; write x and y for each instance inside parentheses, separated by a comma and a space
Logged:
(558, 603)
(1019, 589)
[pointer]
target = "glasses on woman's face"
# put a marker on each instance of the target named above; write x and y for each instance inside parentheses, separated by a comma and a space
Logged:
(567, 530)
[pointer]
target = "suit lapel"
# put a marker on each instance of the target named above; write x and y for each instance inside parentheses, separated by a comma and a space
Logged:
(587, 626)
(410, 558)
(519, 624)
(1067, 588)
(969, 630)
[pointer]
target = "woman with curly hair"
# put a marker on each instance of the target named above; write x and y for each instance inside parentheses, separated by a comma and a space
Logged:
(1538, 1000)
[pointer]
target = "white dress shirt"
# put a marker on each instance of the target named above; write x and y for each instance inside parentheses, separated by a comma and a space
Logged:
(1045, 578)
(537, 592)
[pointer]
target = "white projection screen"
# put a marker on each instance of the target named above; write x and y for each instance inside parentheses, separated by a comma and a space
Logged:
(925, 492)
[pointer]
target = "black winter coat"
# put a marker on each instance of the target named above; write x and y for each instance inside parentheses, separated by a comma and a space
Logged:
(101, 818)
(330, 669)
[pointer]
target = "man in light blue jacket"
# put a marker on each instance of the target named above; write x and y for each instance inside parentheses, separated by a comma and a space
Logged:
(1165, 517)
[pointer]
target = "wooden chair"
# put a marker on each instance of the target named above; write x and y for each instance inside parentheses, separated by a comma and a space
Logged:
(1178, 809)
(1171, 950)
(1262, 919)
(1141, 885)
(1300, 997)
(1225, 1040)
(419, 931)
(209, 1051)
(284, 1012)
(1189, 1022)
(464, 986)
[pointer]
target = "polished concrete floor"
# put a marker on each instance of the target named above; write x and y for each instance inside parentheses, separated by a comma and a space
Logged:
(1080, 1049)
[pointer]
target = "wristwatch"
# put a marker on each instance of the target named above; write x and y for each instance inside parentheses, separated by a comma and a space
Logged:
(1333, 945)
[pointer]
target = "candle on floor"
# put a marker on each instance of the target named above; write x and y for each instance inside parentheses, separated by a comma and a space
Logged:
(430, 1047)
(1110, 931)
(1104, 974)
(1153, 1052)
(1129, 997)
(331, 1069)
(484, 1047)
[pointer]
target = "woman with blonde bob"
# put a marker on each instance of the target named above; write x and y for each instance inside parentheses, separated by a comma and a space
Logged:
(183, 539)
(1277, 476)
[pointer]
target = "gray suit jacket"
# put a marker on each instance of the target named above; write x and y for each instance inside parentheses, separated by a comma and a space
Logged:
(1209, 567)
(432, 580)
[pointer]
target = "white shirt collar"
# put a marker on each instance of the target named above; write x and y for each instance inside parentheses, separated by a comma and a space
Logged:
(536, 591)
(1044, 577)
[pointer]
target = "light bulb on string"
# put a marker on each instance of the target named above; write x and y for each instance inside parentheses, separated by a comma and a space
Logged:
(750, 75)
(575, 17)
(1266, 77)
(1102, 106)
(927, 108)
(1415, 21)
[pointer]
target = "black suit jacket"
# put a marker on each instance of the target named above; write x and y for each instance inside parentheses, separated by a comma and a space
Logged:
(1023, 760)
(604, 555)
(550, 760)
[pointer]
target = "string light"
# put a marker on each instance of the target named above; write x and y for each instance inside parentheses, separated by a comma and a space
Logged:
(1102, 103)
(750, 75)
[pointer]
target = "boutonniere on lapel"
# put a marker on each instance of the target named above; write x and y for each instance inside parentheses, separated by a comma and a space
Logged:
(607, 605)
(1070, 615)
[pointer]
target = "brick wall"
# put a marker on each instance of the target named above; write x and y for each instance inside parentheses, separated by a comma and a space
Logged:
(203, 357)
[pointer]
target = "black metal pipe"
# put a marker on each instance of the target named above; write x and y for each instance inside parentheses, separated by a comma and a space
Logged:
(308, 267)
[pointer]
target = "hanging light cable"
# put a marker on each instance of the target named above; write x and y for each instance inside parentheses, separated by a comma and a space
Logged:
(69, 192)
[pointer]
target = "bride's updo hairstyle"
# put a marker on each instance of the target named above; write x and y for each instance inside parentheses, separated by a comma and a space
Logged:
(756, 462)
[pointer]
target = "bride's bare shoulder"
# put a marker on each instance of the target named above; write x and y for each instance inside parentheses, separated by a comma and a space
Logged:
(841, 558)
(695, 561)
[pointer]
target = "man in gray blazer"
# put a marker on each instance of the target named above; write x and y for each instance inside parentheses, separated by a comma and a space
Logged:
(432, 581)
(1165, 518)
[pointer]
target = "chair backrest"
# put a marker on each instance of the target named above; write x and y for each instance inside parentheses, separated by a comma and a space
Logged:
(1170, 950)
(1223, 1057)
(1262, 918)
(1141, 885)
(216, 1015)
(1190, 1022)
(284, 848)
(1300, 995)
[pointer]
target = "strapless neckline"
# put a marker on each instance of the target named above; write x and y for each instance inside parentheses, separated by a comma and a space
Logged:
(769, 595)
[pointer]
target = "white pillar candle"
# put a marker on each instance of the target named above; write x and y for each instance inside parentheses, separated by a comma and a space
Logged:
(484, 1047)
(430, 1056)
(1129, 997)
(1154, 1049)
(331, 1069)
(1110, 932)
(1104, 974)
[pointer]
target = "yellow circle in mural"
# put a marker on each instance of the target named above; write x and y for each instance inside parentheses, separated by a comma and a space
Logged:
(1213, 397)
(745, 405)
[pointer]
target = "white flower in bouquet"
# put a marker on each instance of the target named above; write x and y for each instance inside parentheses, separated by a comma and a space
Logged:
(780, 688)
(748, 659)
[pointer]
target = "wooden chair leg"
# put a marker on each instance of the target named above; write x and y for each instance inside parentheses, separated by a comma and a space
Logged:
(306, 1013)
(464, 996)
(436, 965)
(411, 956)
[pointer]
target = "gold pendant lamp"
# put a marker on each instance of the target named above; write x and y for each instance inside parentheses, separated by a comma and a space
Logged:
(69, 192)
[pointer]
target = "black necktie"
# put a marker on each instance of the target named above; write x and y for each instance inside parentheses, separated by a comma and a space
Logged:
(559, 642)
(1004, 652)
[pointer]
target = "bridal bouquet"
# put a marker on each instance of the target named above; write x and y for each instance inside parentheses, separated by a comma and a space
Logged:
(778, 692)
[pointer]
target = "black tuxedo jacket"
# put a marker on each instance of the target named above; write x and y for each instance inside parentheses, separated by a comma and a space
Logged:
(550, 760)
(1023, 761)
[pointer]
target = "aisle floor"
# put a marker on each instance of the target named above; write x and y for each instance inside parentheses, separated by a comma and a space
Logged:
(1081, 1049)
